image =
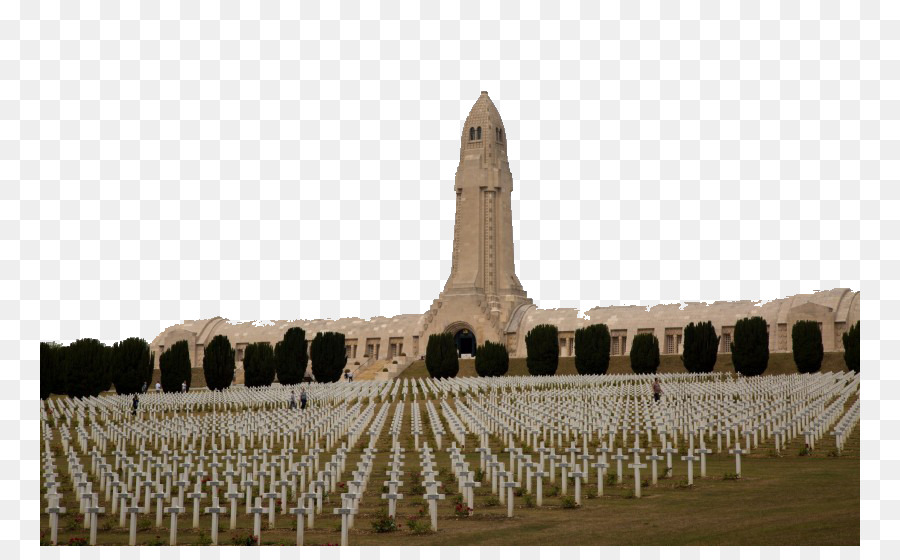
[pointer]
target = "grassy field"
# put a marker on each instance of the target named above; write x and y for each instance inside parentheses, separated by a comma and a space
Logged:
(787, 500)
(778, 363)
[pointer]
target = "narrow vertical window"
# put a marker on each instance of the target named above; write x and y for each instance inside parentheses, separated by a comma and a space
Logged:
(478, 133)
(472, 134)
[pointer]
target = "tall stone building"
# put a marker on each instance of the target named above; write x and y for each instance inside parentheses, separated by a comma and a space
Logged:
(484, 300)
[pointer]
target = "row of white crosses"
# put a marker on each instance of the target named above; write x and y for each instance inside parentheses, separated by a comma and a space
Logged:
(432, 494)
(845, 425)
(158, 496)
(188, 460)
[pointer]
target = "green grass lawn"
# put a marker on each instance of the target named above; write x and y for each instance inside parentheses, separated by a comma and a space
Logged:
(778, 363)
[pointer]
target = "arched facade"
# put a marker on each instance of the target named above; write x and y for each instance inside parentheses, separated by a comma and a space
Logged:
(483, 294)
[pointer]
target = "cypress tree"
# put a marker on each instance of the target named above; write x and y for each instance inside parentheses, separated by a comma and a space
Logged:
(807, 346)
(290, 357)
(53, 375)
(851, 348)
(542, 344)
(750, 349)
(329, 356)
(701, 347)
(592, 349)
(644, 353)
(218, 363)
(259, 365)
(441, 356)
(87, 368)
(131, 365)
(491, 359)
(175, 367)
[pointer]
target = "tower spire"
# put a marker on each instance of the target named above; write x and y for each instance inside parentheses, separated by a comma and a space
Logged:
(483, 264)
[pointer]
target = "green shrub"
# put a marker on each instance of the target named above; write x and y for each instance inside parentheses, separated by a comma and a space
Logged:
(218, 363)
(441, 356)
(418, 526)
(807, 346)
(328, 354)
(701, 347)
(851, 348)
(491, 359)
(248, 539)
(592, 349)
(568, 502)
(645, 353)
(542, 345)
(259, 365)
(491, 501)
(290, 357)
(384, 523)
(750, 349)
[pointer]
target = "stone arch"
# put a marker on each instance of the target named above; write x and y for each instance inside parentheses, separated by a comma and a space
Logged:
(464, 336)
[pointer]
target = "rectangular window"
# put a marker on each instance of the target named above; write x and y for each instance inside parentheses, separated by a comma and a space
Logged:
(614, 346)
(624, 340)
(678, 344)
(670, 344)
(726, 342)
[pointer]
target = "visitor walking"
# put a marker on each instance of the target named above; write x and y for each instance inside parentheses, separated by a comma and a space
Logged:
(144, 388)
(657, 390)
(184, 386)
(302, 399)
(293, 403)
(158, 387)
(134, 405)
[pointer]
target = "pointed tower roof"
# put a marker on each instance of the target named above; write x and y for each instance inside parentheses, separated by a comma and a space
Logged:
(483, 114)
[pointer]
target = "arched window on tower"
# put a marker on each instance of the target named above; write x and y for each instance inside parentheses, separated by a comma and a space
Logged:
(472, 134)
(478, 133)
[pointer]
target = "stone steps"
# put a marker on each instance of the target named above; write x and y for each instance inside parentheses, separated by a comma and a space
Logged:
(370, 372)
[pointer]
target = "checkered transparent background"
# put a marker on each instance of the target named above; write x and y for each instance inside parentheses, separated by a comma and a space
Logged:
(170, 161)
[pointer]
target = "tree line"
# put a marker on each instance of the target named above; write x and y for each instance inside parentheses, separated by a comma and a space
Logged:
(87, 367)
(749, 350)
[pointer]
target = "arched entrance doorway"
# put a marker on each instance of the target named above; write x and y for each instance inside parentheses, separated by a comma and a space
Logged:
(465, 341)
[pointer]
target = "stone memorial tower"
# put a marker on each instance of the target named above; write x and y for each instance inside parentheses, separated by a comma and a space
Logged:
(483, 292)
(483, 299)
